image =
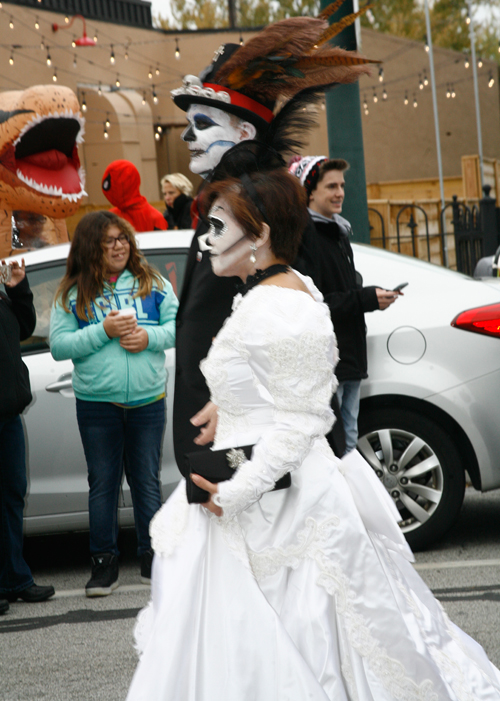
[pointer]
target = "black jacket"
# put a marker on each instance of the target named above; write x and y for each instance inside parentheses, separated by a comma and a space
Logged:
(204, 304)
(348, 301)
(179, 216)
(17, 322)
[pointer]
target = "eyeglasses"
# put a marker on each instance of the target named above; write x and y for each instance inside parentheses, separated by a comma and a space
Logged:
(110, 242)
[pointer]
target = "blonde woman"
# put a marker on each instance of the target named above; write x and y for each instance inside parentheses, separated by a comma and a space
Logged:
(118, 379)
(177, 192)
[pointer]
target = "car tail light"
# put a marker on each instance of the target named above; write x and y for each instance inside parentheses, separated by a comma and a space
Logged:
(485, 320)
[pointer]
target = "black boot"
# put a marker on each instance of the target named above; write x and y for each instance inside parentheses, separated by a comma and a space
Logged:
(104, 575)
(32, 594)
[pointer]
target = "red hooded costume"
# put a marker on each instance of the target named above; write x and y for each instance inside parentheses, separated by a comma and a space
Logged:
(120, 184)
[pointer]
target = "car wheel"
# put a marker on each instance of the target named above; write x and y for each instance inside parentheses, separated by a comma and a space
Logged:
(419, 465)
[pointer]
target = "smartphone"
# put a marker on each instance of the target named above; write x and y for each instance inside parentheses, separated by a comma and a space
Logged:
(5, 273)
(400, 287)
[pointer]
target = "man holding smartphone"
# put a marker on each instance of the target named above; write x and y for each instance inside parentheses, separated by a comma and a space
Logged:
(17, 322)
(339, 282)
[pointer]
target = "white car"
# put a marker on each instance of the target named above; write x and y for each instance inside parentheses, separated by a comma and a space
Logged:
(428, 410)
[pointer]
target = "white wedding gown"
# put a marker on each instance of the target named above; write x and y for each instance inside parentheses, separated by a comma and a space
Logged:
(305, 593)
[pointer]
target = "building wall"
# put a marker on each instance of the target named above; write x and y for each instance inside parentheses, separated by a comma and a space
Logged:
(399, 141)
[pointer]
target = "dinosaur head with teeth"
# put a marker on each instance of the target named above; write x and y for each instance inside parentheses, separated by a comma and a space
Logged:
(39, 166)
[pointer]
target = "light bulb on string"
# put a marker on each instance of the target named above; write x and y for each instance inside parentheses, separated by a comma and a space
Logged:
(42, 44)
(491, 80)
(73, 43)
(241, 40)
(159, 129)
(367, 112)
(11, 23)
(420, 83)
(365, 103)
(11, 59)
(66, 19)
(375, 98)
(54, 76)
(107, 123)
(426, 80)
(381, 74)
(499, 46)
(157, 136)
(480, 62)
(117, 81)
(157, 69)
(384, 95)
(177, 51)
(406, 98)
(112, 55)
(37, 23)
(448, 91)
(427, 47)
(143, 98)
(99, 89)
(84, 103)
(48, 60)
(155, 96)
(74, 61)
(105, 134)
(466, 62)
(415, 103)
(467, 19)
(453, 93)
(150, 74)
(126, 52)
(95, 36)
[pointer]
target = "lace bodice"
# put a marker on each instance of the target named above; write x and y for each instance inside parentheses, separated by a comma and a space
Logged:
(270, 372)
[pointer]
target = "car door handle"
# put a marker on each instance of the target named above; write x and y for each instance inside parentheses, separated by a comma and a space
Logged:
(63, 382)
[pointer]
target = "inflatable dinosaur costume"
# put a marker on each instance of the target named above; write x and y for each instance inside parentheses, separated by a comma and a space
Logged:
(40, 170)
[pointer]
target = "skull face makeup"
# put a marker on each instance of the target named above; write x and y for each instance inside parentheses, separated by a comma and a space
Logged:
(211, 132)
(227, 242)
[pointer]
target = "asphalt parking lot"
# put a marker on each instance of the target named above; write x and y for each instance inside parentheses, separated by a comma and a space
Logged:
(77, 649)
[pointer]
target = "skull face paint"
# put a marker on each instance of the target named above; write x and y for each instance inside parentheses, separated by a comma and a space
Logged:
(211, 132)
(228, 244)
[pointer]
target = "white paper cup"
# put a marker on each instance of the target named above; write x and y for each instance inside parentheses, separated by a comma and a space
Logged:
(127, 311)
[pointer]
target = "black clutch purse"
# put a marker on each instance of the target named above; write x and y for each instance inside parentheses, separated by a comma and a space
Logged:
(218, 466)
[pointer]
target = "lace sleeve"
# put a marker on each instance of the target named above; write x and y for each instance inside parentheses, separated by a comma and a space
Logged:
(292, 356)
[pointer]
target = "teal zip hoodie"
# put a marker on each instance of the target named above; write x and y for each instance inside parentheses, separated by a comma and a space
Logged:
(104, 371)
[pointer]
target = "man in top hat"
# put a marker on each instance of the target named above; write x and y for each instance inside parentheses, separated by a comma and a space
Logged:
(235, 100)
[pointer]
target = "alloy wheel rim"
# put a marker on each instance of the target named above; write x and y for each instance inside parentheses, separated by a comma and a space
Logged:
(409, 469)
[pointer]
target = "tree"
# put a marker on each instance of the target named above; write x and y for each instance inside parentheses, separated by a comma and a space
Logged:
(406, 18)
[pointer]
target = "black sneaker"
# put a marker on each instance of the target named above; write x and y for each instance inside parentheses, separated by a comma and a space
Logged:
(146, 562)
(32, 594)
(104, 577)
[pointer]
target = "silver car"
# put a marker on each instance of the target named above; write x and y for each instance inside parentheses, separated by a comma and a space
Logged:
(429, 410)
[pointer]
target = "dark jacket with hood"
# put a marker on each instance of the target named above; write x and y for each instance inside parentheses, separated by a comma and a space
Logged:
(347, 299)
(179, 216)
(17, 322)
(120, 184)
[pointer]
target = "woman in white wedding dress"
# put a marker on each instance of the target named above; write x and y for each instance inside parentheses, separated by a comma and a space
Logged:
(306, 593)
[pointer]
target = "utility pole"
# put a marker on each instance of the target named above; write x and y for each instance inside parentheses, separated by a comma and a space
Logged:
(436, 120)
(476, 91)
(231, 6)
(345, 133)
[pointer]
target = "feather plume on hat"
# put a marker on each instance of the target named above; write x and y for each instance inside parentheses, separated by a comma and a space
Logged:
(275, 78)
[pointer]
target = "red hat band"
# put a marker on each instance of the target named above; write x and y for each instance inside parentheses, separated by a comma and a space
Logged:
(239, 100)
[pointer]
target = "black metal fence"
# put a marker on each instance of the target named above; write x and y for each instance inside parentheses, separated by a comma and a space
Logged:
(475, 232)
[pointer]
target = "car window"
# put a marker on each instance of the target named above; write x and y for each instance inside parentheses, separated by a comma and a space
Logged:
(43, 283)
(172, 265)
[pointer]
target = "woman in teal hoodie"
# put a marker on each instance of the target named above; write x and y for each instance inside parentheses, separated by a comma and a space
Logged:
(114, 316)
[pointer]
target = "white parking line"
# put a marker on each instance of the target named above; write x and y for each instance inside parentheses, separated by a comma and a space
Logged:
(125, 589)
(455, 564)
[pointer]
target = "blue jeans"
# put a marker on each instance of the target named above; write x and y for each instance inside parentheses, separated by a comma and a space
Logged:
(15, 575)
(348, 394)
(113, 439)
